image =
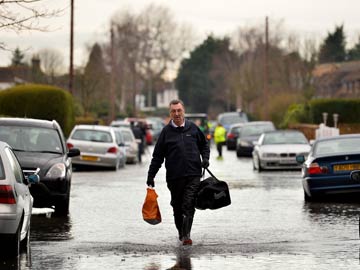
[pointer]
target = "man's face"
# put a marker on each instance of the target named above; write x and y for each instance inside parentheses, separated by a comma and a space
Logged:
(177, 112)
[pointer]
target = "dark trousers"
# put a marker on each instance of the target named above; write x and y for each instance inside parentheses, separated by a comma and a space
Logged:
(219, 146)
(183, 193)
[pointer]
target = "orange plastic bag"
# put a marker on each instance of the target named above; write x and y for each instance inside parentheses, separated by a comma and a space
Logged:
(150, 210)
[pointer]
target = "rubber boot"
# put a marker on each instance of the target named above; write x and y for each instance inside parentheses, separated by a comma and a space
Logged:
(186, 229)
(178, 223)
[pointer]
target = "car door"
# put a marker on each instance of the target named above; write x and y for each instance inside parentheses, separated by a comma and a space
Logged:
(24, 199)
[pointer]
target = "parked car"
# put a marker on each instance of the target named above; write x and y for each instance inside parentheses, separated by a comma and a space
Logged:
(250, 133)
(232, 135)
(131, 144)
(332, 167)
(226, 119)
(16, 202)
(201, 120)
(119, 123)
(156, 125)
(99, 146)
(278, 150)
(41, 144)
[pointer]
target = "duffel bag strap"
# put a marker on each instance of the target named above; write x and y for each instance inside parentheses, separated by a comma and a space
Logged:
(210, 173)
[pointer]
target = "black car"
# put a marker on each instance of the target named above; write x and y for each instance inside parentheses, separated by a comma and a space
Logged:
(232, 135)
(250, 133)
(40, 144)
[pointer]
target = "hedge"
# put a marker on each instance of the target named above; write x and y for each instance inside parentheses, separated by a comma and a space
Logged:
(39, 102)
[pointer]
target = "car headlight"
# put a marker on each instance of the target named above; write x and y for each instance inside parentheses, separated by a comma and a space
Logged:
(270, 155)
(56, 171)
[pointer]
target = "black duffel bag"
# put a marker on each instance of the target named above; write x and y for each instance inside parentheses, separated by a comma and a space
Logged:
(212, 194)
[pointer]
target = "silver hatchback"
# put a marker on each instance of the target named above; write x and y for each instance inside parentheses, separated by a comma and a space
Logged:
(15, 202)
(99, 146)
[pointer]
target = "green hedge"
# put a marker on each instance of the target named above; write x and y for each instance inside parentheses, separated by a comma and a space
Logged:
(347, 109)
(39, 102)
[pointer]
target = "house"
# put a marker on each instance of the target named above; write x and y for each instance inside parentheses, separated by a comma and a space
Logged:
(13, 75)
(164, 97)
(338, 80)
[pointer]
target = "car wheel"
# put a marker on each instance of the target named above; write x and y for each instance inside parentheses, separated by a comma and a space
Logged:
(308, 198)
(62, 206)
(25, 243)
(238, 153)
(260, 169)
(13, 246)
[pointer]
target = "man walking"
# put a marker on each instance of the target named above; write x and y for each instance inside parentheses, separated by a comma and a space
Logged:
(186, 151)
(219, 138)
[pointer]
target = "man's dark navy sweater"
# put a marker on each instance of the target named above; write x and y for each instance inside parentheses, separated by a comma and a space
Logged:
(182, 149)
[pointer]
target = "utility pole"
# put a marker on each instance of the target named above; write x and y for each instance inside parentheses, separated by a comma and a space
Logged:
(266, 71)
(112, 75)
(71, 68)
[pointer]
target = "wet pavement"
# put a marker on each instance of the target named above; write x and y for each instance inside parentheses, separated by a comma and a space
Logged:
(267, 226)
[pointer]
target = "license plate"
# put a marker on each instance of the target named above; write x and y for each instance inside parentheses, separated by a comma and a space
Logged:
(288, 161)
(346, 167)
(89, 158)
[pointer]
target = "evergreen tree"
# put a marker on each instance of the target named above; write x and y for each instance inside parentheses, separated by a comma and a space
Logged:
(95, 81)
(354, 53)
(17, 58)
(333, 48)
(194, 81)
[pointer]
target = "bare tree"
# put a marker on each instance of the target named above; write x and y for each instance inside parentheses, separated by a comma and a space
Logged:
(288, 73)
(20, 15)
(147, 45)
(52, 62)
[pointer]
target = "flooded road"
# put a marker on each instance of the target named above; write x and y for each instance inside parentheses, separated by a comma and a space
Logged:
(267, 226)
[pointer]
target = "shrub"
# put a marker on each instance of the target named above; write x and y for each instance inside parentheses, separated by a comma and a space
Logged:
(39, 102)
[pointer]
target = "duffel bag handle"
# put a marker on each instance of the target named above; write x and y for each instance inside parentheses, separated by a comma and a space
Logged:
(209, 173)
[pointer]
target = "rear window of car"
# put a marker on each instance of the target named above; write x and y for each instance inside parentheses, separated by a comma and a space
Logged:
(337, 146)
(232, 118)
(127, 136)
(26, 138)
(255, 130)
(2, 172)
(92, 135)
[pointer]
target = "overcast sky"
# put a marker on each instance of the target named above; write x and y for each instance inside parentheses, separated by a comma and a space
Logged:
(308, 18)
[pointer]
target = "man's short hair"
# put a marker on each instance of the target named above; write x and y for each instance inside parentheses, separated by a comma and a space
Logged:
(176, 101)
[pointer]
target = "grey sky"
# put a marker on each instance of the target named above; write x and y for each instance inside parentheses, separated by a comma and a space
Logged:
(310, 18)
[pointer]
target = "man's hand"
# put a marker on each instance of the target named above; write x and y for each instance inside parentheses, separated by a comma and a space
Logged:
(150, 182)
(205, 163)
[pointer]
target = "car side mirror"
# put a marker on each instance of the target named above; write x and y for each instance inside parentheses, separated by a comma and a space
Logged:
(73, 152)
(300, 159)
(33, 179)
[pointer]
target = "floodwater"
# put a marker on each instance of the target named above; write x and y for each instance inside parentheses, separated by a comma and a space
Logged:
(267, 226)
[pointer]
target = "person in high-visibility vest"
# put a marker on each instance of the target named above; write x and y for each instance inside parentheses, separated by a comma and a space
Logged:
(219, 138)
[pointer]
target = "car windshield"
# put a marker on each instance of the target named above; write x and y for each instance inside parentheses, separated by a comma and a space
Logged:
(285, 138)
(255, 130)
(31, 139)
(92, 135)
(337, 146)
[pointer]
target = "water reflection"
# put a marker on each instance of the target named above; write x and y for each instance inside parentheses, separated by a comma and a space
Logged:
(332, 212)
(50, 228)
(23, 261)
(183, 259)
